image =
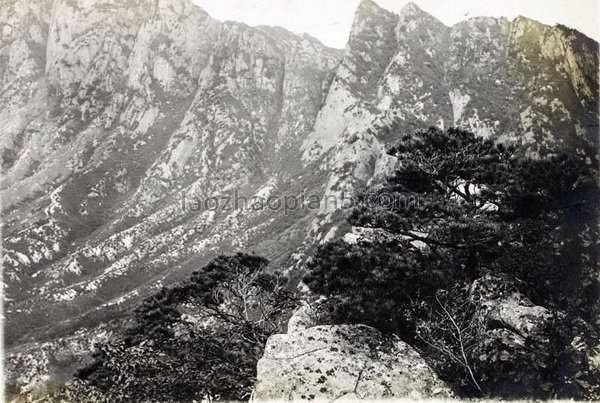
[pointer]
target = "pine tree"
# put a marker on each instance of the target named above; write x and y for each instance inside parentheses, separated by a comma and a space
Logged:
(459, 208)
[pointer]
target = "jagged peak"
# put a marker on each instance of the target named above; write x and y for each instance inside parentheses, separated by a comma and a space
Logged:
(410, 8)
(570, 31)
(521, 19)
(369, 9)
(413, 12)
(521, 25)
(369, 5)
(368, 15)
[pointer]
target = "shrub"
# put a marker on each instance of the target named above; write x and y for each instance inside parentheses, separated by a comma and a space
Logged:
(200, 339)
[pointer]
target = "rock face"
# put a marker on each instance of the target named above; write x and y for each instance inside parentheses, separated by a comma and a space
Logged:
(303, 318)
(117, 116)
(507, 314)
(520, 315)
(343, 362)
(514, 81)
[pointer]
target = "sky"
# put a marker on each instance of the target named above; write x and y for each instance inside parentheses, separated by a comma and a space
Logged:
(330, 20)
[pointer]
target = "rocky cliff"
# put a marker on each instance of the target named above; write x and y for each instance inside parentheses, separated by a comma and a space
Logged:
(514, 81)
(117, 114)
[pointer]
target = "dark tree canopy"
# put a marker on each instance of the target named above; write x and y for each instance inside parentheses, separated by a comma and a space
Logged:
(194, 340)
(481, 209)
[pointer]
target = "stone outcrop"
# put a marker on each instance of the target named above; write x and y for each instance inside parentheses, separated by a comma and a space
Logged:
(519, 315)
(507, 313)
(330, 362)
(303, 318)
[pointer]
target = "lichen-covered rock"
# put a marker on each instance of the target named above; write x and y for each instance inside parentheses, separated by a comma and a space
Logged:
(343, 361)
(503, 307)
(303, 318)
(519, 315)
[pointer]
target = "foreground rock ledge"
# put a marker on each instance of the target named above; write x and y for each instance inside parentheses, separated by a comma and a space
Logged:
(328, 363)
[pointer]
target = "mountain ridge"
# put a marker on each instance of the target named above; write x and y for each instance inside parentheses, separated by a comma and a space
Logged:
(113, 110)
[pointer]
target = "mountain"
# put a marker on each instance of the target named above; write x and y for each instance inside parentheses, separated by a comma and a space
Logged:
(520, 82)
(118, 116)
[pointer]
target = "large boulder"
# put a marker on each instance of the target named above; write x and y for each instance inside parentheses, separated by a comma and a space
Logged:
(343, 361)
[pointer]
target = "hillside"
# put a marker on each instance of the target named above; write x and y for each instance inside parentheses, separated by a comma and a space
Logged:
(114, 111)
